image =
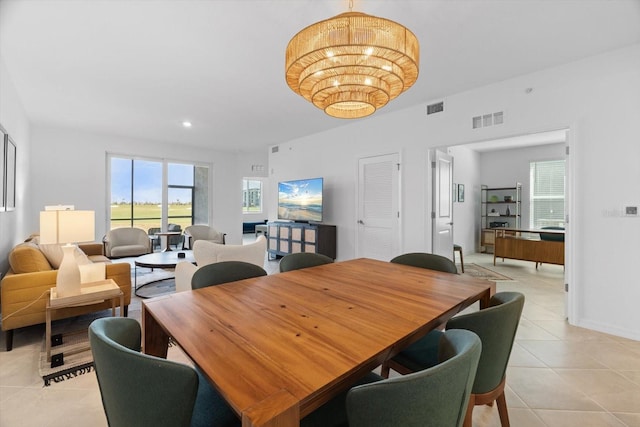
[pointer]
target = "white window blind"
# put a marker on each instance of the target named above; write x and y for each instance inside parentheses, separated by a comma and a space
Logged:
(547, 193)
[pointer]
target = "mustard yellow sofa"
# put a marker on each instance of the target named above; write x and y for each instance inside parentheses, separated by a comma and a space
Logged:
(23, 289)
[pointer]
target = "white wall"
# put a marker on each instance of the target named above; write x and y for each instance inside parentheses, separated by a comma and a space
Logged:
(504, 168)
(69, 167)
(597, 98)
(14, 120)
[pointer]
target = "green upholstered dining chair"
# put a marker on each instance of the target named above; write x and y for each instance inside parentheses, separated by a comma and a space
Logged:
(141, 390)
(425, 260)
(434, 397)
(496, 326)
(303, 260)
(224, 272)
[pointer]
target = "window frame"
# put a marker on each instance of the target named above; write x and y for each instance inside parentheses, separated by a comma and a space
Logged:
(245, 190)
(164, 219)
(551, 194)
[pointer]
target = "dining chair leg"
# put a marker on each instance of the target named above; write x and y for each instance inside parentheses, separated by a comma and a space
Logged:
(384, 370)
(468, 418)
(502, 410)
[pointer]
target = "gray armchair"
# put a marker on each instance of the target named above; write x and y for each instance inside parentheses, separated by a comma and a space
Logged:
(125, 242)
(142, 390)
(496, 326)
(224, 272)
(434, 397)
(428, 261)
(302, 260)
(175, 240)
(203, 232)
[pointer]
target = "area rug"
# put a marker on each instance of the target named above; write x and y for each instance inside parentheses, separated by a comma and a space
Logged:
(474, 270)
(75, 350)
(153, 283)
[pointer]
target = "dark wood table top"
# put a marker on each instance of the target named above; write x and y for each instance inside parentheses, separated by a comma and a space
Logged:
(277, 347)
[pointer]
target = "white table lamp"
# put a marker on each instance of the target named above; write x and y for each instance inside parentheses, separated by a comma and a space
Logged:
(67, 226)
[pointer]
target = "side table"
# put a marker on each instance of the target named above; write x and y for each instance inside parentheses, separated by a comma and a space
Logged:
(90, 293)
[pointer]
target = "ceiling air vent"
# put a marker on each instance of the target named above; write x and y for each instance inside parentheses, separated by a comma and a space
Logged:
(435, 108)
(275, 149)
(487, 120)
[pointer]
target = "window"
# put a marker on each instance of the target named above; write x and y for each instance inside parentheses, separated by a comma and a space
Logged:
(251, 196)
(138, 198)
(547, 194)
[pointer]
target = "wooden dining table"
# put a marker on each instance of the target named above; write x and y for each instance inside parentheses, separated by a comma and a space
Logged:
(277, 347)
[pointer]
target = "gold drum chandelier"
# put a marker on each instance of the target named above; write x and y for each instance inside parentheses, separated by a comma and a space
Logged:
(352, 64)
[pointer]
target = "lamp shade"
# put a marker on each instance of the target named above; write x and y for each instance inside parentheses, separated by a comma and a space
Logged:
(65, 226)
(352, 64)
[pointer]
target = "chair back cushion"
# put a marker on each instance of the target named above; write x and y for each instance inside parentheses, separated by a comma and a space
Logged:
(137, 389)
(303, 260)
(206, 252)
(552, 237)
(224, 272)
(496, 326)
(204, 232)
(433, 397)
(428, 261)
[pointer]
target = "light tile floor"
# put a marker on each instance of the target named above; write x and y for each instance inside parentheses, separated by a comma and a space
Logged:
(558, 375)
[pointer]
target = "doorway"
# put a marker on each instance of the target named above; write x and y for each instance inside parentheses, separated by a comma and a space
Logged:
(565, 146)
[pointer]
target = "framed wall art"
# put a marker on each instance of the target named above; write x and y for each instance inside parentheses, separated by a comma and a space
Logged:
(3, 138)
(454, 197)
(9, 174)
(461, 192)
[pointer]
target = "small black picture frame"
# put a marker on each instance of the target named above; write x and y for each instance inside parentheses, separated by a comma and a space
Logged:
(460, 192)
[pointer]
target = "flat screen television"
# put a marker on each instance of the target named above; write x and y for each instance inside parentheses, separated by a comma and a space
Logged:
(300, 200)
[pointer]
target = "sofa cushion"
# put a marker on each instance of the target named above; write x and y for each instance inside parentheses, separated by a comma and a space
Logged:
(54, 254)
(27, 258)
(128, 250)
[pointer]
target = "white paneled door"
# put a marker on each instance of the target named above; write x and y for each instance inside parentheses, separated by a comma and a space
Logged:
(378, 228)
(442, 215)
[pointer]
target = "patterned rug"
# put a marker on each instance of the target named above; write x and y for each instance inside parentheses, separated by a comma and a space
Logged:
(474, 270)
(73, 348)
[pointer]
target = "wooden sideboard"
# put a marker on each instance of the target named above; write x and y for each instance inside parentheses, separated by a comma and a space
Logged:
(526, 245)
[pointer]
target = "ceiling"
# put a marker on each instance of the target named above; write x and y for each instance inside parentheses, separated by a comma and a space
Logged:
(139, 68)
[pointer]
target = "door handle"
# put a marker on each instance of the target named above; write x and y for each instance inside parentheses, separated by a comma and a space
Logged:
(450, 223)
(360, 222)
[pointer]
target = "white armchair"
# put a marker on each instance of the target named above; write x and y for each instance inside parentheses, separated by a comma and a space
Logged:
(203, 232)
(205, 252)
(126, 241)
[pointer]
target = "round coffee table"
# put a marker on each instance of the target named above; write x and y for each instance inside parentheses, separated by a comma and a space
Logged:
(159, 260)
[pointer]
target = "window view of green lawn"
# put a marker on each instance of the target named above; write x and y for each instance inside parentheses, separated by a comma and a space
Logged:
(137, 192)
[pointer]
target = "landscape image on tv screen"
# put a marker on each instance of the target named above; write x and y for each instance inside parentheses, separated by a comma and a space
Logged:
(300, 200)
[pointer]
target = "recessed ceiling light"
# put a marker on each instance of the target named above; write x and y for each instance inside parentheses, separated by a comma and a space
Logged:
(186, 124)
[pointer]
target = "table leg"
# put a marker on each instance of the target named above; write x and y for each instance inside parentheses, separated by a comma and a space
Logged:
(155, 339)
(47, 334)
(167, 247)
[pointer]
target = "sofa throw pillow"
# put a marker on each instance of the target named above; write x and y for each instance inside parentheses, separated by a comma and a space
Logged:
(54, 255)
(27, 258)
